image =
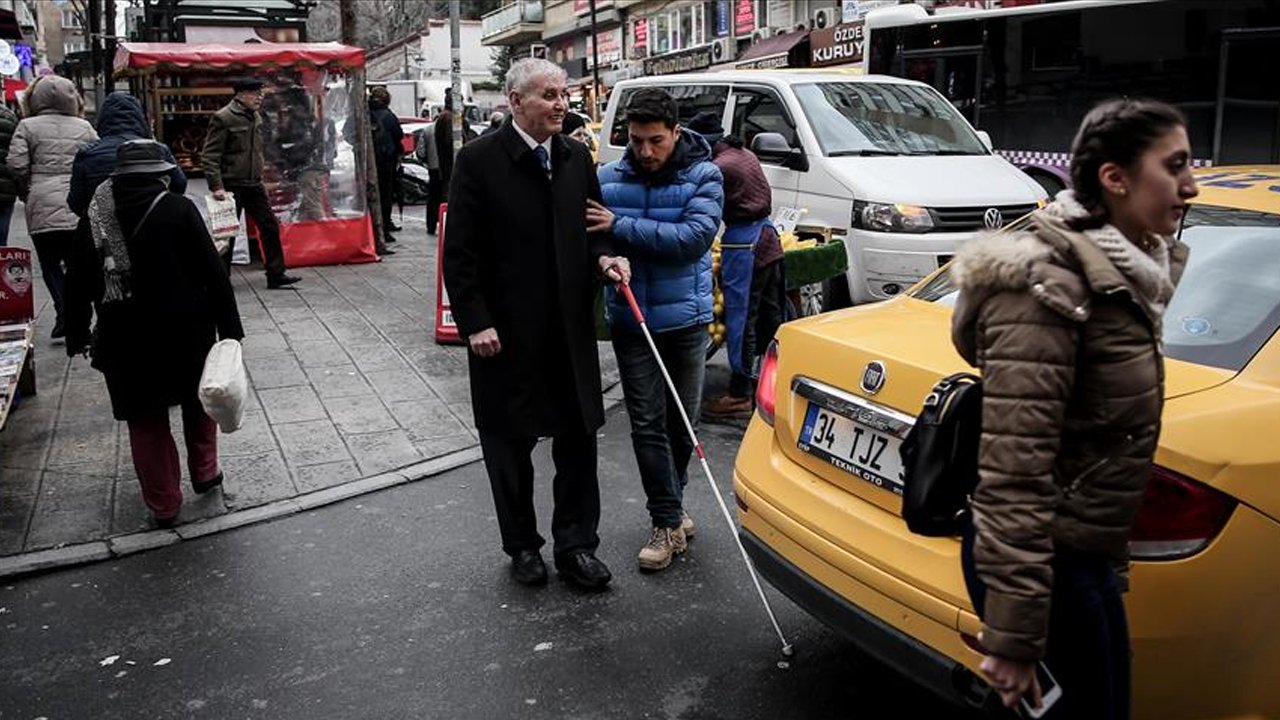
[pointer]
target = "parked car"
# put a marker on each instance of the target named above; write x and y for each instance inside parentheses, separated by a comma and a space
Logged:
(414, 129)
(885, 163)
(827, 530)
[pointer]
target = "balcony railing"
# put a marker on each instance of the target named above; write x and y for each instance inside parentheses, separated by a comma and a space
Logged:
(508, 16)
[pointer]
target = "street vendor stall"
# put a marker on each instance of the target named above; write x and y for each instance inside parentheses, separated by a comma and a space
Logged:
(314, 120)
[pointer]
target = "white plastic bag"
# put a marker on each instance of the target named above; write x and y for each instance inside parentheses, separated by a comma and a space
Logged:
(240, 247)
(224, 386)
(222, 216)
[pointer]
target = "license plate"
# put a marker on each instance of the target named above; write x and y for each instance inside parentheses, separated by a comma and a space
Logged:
(857, 448)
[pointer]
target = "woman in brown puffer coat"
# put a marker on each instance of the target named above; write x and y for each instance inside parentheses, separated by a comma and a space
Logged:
(40, 157)
(1065, 322)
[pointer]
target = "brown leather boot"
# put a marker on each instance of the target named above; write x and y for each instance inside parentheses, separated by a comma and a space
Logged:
(728, 406)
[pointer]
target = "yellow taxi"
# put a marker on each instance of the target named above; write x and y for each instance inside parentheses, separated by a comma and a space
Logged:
(1204, 604)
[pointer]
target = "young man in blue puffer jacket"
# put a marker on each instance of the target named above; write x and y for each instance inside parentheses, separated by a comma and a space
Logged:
(662, 201)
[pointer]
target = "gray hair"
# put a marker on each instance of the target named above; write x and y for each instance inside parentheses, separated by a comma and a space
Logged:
(523, 73)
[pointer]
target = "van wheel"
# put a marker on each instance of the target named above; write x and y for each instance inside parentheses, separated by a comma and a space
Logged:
(835, 293)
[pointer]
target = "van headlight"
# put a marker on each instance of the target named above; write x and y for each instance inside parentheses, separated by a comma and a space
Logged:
(892, 217)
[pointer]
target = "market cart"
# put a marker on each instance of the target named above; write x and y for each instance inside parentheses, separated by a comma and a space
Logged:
(314, 122)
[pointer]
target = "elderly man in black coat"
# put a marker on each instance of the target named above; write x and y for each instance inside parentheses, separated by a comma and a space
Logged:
(522, 275)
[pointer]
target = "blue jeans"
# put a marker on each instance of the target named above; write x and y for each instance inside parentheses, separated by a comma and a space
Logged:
(1088, 649)
(6, 214)
(661, 442)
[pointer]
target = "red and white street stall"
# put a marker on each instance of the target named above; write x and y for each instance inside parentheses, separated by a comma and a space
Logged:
(315, 122)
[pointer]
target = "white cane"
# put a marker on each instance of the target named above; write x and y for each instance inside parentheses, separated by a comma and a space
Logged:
(787, 650)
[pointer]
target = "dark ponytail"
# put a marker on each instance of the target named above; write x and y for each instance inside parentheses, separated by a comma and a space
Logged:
(1116, 131)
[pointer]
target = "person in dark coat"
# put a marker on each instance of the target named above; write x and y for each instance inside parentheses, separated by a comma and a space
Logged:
(443, 132)
(120, 120)
(163, 298)
(387, 152)
(522, 274)
(8, 184)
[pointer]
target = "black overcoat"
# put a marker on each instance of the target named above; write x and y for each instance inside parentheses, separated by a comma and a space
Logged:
(152, 346)
(518, 258)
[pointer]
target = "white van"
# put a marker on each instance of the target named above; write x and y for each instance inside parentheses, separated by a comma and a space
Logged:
(886, 164)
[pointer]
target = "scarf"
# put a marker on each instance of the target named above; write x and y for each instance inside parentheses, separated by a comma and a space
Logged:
(108, 240)
(1146, 270)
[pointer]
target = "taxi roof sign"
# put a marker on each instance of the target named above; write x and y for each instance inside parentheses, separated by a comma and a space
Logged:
(1243, 187)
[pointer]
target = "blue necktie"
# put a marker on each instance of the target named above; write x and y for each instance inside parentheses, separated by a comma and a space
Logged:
(543, 158)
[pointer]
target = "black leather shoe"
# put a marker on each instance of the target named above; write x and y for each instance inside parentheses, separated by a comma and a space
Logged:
(394, 227)
(165, 523)
(584, 570)
(204, 487)
(275, 282)
(528, 569)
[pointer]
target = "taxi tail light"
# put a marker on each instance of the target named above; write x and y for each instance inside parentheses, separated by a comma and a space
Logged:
(1178, 518)
(767, 385)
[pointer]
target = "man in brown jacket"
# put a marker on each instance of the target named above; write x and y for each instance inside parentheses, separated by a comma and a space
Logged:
(748, 203)
(232, 162)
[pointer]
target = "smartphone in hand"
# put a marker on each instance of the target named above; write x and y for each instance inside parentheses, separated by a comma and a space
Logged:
(1050, 693)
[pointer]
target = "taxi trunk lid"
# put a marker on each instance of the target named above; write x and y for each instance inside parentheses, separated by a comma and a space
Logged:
(907, 342)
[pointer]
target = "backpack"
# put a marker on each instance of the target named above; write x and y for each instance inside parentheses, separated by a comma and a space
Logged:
(940, 457)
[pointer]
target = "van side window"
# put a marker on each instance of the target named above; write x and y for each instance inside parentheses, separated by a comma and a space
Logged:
(690, 100)
(758, 110)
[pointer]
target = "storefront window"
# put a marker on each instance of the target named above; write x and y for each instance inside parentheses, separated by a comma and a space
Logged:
(660, 33)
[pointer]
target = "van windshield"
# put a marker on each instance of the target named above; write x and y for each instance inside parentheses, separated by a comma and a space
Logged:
(867, 118)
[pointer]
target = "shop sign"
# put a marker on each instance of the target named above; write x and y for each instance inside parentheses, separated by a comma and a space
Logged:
(840, 45)
(764, 63)
(723, 10)
(744, 17)
(679, 62)
(17, 301)
(610, 47)
(640, 34)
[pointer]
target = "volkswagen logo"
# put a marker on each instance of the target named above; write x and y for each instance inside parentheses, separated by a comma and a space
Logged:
(993, 219)
(873, 377)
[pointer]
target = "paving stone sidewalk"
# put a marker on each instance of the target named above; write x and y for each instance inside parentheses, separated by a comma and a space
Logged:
(347, 383)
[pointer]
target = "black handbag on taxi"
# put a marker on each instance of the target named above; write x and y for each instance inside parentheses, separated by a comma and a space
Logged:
(940, 457)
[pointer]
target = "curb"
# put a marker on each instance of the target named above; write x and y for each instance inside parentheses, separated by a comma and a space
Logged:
(13, 566)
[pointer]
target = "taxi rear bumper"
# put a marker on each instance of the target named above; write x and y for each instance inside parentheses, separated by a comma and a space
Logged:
(947, 678)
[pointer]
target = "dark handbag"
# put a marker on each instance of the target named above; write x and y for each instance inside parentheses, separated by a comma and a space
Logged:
(940, 457)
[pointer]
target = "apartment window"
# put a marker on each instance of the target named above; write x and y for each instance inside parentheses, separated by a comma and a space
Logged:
(688, 27)
(73, 46)
(660, 34)
(70, 19)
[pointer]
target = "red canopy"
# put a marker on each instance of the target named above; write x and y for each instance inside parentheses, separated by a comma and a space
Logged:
(133, 58)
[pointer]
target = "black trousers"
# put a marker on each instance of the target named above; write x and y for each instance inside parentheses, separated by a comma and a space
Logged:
(253, 200)
(53, 249)
(436, 192)
(576, 490)
(1088, 650)
(386, 196)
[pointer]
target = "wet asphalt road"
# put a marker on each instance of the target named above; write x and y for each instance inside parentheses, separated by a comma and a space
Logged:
(398, 605)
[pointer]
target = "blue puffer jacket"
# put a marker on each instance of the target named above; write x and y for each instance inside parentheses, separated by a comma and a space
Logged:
(665, 224)
(119, 121)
